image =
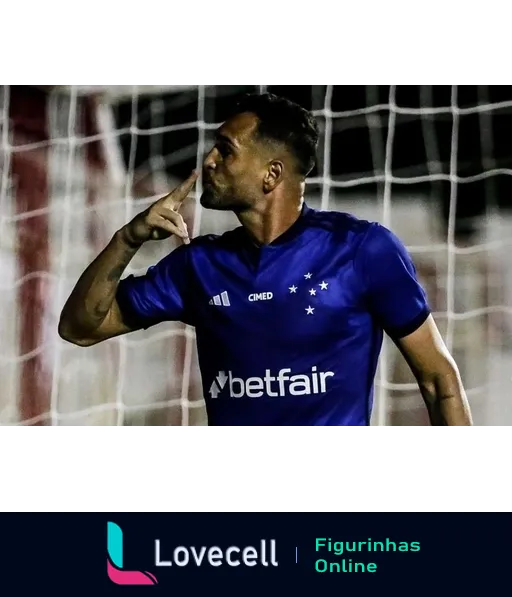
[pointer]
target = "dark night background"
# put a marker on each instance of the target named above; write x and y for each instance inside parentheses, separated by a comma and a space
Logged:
(358, 145)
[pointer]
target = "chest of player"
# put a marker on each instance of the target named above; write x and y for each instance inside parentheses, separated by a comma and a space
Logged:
(286, 299)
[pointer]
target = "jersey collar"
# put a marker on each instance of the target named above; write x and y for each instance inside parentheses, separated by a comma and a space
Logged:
(291, 234)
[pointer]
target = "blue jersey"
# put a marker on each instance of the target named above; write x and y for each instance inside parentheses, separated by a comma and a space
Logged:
(287, 333)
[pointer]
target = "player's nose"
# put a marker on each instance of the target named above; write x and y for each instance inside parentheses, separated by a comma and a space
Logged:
(209, 161)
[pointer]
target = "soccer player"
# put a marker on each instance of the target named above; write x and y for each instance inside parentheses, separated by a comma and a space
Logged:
(290, 308)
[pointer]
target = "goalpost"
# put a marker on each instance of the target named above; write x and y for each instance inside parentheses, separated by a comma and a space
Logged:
(77, 162)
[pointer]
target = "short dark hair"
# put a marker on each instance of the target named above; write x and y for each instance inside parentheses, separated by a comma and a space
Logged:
(286, 122)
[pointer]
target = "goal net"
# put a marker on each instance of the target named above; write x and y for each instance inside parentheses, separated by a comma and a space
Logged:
(433, 163)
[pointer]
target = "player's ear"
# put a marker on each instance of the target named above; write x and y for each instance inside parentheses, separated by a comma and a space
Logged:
(273, 176)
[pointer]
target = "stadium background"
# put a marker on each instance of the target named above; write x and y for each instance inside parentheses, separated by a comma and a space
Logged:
(431, 162)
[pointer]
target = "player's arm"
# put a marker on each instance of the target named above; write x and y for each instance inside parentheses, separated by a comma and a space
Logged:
(399, 305)
(92, 313)
(437, 375)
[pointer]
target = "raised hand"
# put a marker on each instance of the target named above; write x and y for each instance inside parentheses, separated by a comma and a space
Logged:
(162, 219)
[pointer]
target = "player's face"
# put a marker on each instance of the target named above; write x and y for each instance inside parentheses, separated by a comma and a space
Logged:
(235, 167)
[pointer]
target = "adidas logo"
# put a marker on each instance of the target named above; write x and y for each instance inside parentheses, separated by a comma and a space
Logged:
(221, 300)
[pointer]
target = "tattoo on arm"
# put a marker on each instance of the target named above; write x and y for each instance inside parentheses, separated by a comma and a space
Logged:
(116, 273)
(100, 312)
(102, 308)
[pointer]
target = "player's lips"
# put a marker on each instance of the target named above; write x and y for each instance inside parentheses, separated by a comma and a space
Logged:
(207, 179)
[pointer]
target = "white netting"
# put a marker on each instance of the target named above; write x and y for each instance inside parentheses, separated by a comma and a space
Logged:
(432, 163)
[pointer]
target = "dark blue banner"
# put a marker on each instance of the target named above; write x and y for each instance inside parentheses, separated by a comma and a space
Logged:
(255, 554)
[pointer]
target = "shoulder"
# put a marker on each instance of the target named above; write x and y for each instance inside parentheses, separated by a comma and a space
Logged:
(371, 245)
(343, 227)
(379, 241)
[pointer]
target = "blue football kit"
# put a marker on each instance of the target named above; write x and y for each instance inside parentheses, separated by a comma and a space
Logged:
(288, 333)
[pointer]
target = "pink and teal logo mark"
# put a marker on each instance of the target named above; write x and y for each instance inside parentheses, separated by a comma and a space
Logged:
(115, 561)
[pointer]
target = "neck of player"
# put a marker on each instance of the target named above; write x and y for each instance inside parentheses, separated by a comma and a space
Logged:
(273, 215)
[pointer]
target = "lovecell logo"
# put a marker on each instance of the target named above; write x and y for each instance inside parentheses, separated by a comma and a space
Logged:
(115, 561)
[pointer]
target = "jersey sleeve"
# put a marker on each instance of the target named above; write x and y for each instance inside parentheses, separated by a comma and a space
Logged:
(159, 295)
(395, 296)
